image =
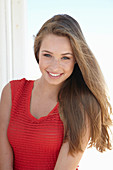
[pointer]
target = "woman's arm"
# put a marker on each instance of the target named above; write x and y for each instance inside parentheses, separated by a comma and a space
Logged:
(67, 162)
(6, 153)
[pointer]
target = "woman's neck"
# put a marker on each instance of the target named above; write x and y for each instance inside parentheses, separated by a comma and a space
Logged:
(46, 89)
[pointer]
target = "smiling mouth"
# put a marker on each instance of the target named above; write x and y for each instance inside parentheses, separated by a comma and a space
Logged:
(54, 74)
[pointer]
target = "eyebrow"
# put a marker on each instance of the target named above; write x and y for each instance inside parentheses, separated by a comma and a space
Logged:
(68, 53)
(47, 51)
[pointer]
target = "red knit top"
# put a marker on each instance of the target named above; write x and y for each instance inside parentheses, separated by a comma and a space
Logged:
(36, 142)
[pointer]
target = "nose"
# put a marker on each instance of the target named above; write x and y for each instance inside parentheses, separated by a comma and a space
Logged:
(55, 64)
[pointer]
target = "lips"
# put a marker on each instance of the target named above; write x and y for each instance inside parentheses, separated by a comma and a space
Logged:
(54, 75)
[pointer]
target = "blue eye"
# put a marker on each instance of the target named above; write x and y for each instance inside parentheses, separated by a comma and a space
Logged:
(47, 55)
(65, 58)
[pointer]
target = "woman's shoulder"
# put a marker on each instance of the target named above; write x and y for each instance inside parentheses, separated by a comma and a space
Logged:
(6, 92)
(19, 85)
(19, 82)
(22, 80)
(12, 87)
(5, 104)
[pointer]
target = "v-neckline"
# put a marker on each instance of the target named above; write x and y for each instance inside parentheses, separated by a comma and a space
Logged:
(29, 107)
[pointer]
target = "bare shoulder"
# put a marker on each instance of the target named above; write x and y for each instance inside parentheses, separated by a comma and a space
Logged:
(5, 105)
(6, 153)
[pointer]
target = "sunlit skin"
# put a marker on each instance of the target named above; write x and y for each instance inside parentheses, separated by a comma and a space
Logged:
(56, 60)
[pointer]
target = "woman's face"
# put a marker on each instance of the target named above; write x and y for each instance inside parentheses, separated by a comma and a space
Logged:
(56, 60)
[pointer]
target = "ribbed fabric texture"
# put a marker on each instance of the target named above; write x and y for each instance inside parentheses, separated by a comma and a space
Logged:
(36, 142)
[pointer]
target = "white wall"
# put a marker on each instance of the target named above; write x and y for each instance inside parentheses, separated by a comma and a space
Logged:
(13, 40)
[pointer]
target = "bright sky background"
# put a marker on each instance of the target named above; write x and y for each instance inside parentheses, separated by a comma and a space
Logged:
(96, 20)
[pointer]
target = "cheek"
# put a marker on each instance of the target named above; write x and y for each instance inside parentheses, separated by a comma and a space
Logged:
(43, 64)
(69, 67)
(70, 71)
(72, 67)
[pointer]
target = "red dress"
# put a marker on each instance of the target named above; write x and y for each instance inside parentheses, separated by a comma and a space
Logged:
(35, 142)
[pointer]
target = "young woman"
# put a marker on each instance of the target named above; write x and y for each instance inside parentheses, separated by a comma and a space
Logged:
(46, 124)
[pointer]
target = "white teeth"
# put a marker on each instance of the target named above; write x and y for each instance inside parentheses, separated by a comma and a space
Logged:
(55, 75)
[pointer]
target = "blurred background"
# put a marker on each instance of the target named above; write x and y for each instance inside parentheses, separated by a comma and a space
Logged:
(20, 20)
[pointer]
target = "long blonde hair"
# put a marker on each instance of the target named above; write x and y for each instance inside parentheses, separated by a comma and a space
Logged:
(84, 93)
